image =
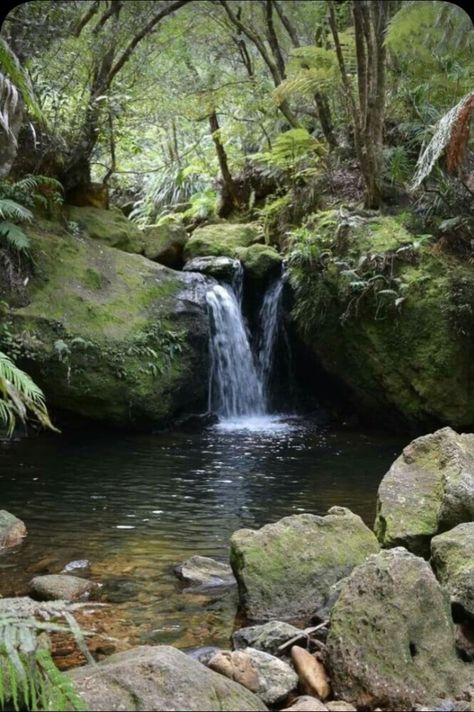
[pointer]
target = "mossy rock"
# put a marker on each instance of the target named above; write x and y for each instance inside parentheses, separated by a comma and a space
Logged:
(286, 570)
(428, 489)
(391, 641)
(165, 244)
(222, 239)
(108, 335)
(452, 559)
(261, 262)
(406, 355)
(110, 227)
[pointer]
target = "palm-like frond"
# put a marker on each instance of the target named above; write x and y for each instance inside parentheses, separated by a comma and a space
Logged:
(20, 397)
(11, 210)
(17, 78)
(310, 69)
(14, 236)
(28, 676)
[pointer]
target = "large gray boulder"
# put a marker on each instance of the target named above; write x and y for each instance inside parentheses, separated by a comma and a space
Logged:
(221, 268)
(391, 641)
(12, 530)
(158, 678)
(285, 570)
(428, 489)
(452, 558)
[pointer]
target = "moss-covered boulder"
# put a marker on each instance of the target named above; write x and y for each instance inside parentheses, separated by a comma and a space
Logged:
(428, 489)
(110, 227)
(165, 244)
(285, 570)
(391, 641)
(159, 678)
(452, 558)
(222, 239)
(261, 262)
(389, 315)
(109, 335)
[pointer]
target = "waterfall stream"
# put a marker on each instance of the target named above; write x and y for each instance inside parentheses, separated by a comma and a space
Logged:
(239, 381)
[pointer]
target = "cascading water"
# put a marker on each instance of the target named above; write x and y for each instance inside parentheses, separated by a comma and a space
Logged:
(235, 388)
(239, 381)
(269, 322)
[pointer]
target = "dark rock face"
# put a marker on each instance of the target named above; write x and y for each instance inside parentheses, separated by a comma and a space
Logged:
(159, 678)
(391, 641)
(285, 570)
(428, 489)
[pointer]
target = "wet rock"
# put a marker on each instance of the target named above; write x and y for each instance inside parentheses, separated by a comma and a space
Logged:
(340, 706)
(12, 530)
(267, 637)
(452, 558)
(205, 572)
(203, 655)
(55, 587)
(285, 570)
(306, 703)
(82, 565)
(391, 640)
(270, 678)
(221, 268)
(158, 678)
(311, 672)
(428, 489)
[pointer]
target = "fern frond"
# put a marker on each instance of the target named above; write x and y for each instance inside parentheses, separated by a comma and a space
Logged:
(11, 210)
(18, 78)
(15, 236)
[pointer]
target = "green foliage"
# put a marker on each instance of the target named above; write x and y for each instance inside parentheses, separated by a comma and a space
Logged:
(202, 205)
(310, 69)
(294, 156)
(14, 84)
(28, 676)
(20, 398)
(16, 203)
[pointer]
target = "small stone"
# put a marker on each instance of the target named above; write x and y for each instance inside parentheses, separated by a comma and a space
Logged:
(204, 654)
(306, 703)
(77, 565)
(62, 587)
(340, 706)
(312, 673)
(205, 572)
(268, 677)
(267, 637)
(12, 530)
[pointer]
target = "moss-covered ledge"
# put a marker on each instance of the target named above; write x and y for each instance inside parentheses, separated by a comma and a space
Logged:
(109, 335)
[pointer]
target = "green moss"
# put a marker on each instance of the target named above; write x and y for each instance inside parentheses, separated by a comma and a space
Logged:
(99, 332)
(110, 227)
(222, 239)
(260, 261)
(398, 352)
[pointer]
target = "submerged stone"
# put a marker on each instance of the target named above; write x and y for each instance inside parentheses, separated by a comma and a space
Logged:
(62, 587)
(205, 572)
(428, 489)
(391, 641)
(12, 530)
(159, 678)
(285, 570)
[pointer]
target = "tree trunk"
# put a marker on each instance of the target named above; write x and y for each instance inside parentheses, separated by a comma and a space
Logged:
(324, 115)
(230, 195)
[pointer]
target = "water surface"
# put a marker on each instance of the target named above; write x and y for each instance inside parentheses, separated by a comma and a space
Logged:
(135, 506)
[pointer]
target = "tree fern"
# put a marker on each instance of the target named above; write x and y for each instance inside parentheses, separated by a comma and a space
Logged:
(20, 397)
(310, 69)
(28, 676)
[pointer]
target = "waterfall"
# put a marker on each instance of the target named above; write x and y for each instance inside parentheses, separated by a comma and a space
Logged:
(269, 322)
(239, 381)
(235, 388)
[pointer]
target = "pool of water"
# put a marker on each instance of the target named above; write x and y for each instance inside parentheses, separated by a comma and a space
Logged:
(136, 505)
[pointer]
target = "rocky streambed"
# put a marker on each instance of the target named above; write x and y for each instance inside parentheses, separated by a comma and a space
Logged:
(337, 617)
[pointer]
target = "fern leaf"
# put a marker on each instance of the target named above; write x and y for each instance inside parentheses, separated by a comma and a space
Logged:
(15, 236)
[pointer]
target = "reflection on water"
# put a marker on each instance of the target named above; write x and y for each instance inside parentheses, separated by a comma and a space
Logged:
(135, 506)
